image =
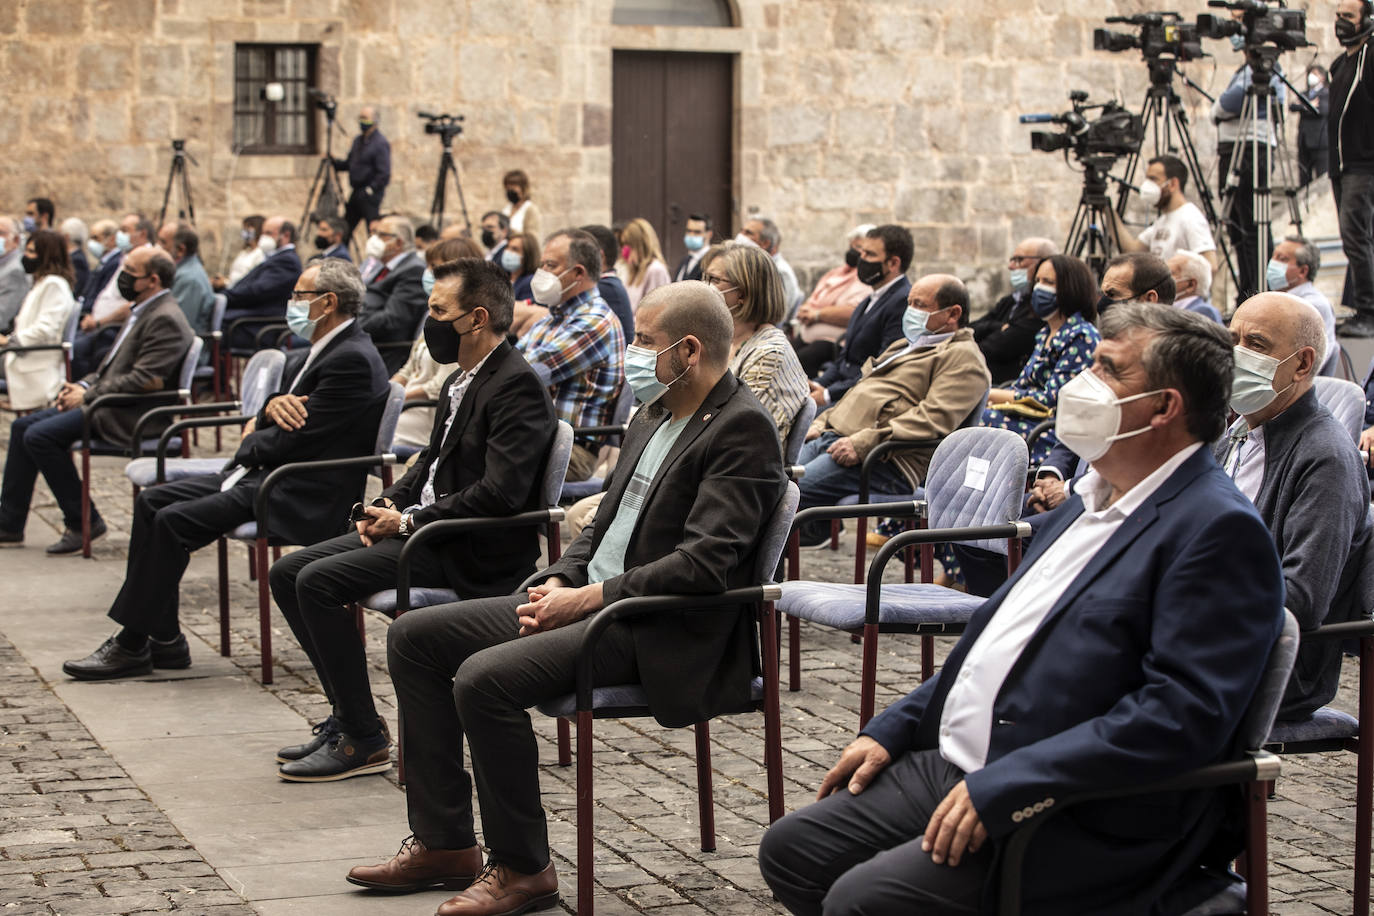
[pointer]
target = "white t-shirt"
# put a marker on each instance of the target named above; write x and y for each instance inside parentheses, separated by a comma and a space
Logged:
(1184, 229)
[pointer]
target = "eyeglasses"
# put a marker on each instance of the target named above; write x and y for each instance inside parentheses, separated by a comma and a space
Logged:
(305, 293)
(721, 283)
(1018, 259)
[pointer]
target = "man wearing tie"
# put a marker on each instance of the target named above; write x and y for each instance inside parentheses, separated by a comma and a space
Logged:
(333, 400)
(698, 241)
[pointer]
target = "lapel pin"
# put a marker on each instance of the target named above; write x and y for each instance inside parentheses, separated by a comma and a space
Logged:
(705, 417)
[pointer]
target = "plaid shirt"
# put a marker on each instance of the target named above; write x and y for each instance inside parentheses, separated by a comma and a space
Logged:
(579, 352)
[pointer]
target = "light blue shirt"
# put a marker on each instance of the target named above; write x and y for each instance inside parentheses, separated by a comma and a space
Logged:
(609, 559)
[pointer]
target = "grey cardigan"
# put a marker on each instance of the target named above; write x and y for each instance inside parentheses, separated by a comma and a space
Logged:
(1314, 498)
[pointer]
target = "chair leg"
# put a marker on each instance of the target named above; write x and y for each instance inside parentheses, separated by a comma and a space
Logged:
(264, 612)
(772, 715)
(869, 676)
(1256, 849)
(584, 813)
(564, 743)
(860, 549)
(276, 554)
(834, 534)
(222, 549)
(927, 657)
(555, 542)
(706, 801)
(1364, 778)
(86, 503)
(793, 653)
(252, 565)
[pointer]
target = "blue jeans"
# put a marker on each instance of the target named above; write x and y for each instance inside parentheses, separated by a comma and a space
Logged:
(826, 482)
(42, 442)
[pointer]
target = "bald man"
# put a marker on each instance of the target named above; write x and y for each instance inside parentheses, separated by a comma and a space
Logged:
(1299, 467)
(1006, 334)
(695, 486)
(369, 170)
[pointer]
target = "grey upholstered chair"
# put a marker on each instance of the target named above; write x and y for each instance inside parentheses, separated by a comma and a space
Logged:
(1345, 400)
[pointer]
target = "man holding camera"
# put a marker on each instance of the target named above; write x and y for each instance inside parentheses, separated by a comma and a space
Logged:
(369, 170)
(1351, 127)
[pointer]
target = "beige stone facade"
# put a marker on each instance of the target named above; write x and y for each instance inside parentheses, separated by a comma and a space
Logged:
(846, 111)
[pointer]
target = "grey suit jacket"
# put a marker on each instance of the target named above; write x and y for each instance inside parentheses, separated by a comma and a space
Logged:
(14, 286)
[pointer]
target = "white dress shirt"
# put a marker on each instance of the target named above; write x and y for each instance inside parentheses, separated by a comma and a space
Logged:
(966, 721)
(1245, 460)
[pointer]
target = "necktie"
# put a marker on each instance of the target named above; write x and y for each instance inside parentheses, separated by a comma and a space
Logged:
(381, 275)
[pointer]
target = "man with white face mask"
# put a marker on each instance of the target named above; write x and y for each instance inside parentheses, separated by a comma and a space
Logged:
(264, 290)
(1114, 613)
(1180, 225)
(578, 349)
(1297, 464)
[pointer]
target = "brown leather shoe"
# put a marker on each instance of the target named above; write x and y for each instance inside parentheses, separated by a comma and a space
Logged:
(500, 891)
(416, 868)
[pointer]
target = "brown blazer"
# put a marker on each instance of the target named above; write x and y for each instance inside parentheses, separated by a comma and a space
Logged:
(149, 359)
(924, 394)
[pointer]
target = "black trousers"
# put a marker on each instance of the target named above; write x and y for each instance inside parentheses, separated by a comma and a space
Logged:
(462, 669)
(313, 587)
(170, 521)
(1245, 233)
(362, 207)
(861, 854)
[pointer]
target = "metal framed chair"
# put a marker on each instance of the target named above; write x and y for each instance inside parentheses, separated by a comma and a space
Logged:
(404, 452)
(213, 370)
(796, 434)
(629, 700)
(1345, 400)
(973, 493)
(89, 445)
(610, 435)
(1254, 768)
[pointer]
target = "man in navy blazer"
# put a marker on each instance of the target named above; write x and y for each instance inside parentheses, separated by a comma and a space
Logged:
(1117, 655)
(331, 401)
(263, 291)
(395, 302)
(885, 256)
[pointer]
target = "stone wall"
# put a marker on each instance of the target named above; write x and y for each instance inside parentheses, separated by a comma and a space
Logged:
(848, 111)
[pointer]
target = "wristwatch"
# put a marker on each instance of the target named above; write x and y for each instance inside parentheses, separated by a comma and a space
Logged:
(406, 529)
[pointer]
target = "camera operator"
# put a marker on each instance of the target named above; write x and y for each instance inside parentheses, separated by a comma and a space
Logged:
(1180, 225)
(369, 170)
(1351, 127)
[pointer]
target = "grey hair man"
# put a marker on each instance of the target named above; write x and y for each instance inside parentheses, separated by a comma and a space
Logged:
(396, 301)
(765, 233)
(1296, 462)
(1293, 269)
(1193, 284)
(1006, 334)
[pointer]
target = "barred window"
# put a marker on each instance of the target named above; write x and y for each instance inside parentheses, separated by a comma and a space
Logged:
(262, 126)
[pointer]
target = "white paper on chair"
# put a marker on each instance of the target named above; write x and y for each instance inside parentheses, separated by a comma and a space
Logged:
(976, 473)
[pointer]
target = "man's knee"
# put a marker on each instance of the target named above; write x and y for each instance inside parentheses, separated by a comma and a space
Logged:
(41, 435)
(777, 853)
(285, 574)
(408, 636)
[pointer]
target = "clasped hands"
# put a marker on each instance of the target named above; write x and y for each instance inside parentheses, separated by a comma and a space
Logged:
(954, 828)
(381, 522)
(553, 604)
(287, 411)
(70, 396)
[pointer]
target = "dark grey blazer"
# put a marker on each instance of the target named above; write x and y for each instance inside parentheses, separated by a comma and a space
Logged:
(702, 517)
(1314, 499)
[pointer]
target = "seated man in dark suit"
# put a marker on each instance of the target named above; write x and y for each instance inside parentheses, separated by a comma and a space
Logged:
(693, 487)
(486, 458)
(331, 238)
(330, 405)
(1116, 656)
(264, 291)
(1006, 334)
(885, 256)
(394, 304)
(106, 309)
(612, 290)
(1297, 464)
(145, 357)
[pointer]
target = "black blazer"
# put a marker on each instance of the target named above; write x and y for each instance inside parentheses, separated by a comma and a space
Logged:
(393, 308)
(347, 388)
(682, 272)
(491, 464)
(872, 329)
(1007, 349)
(97, 281)
(696, 533)
(265, 288)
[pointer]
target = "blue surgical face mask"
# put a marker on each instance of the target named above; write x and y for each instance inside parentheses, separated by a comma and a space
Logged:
(96, 249)
(298, 318)
(916, 323)
(1019, 278)
(122, 241)
(693, 242)
(511, 261)
(1237, 41)
(427, 281)
(641, 371)
(1044, 302)
(1276, 273)
(30, 224)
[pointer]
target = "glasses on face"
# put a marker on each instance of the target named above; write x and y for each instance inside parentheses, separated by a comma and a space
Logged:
(720, 283)
(1017, 260)
(304, 293)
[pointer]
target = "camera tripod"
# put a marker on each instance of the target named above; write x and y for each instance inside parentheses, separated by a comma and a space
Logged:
(1166, 120)
(326, 194)
(178, 170)
(1088, 235)
(447, 167)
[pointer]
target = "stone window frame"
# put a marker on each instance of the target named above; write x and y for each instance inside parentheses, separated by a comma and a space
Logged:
(675, 13)
(264, 119)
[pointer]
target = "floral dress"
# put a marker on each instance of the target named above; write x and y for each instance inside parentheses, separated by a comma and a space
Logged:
(1056, 358)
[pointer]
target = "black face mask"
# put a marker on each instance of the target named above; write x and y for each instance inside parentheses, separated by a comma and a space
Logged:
(488, 238)
(870, 272)
(29, 264)
(126, 282)
(321, 242)
(443, 339)
(513, 197)
(851, 257)
(1348, 33)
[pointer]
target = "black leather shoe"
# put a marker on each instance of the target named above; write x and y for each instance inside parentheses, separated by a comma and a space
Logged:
(323, 731)
(174, 655)
(343, 756)
(108, 662)
(1358, 326)
(71, 540)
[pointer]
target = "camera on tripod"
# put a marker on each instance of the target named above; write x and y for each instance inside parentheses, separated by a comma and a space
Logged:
(1114, 132)
(1160, 34)
(324, 102)
(447, 126)
(1262, 24)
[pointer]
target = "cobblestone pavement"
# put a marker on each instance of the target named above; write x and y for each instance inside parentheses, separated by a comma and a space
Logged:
(116, 854)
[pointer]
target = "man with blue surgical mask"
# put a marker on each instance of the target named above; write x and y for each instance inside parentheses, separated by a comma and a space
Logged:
(922, 386)
(1298, 465)
(1006, 334)
(697, 240)
(1293, 269)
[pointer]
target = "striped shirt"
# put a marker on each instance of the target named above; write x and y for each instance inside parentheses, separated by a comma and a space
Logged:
(768, 364)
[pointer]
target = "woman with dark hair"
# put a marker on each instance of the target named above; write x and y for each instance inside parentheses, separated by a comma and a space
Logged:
(1064, 297)
(34, 378)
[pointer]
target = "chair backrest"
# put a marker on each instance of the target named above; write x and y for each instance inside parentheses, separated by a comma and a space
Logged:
(1345, 400)
(977, 477)
(217, 312)
(1264, 704)
(386, 431)
(556, 470)
(796, 436)
(774, 534)
(975, 416)
(73, 323)
(261, 377)
(624, 404)
(189, 363)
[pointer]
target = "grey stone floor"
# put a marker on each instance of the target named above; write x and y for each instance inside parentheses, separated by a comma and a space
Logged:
(159, 794)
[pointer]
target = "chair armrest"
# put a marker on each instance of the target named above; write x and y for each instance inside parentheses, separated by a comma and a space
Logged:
(795, 472)
(599, 432)
(894, 545)
(262, 501)
(886, 447)
(1348, 629)
(185, 410)
(276, 328)
(35, 348)
(655, 604)
(153, 398)
(1040, 429)
(455, 526)
(910, 508)
(165, 439)
(1256, 766)
(419, 402)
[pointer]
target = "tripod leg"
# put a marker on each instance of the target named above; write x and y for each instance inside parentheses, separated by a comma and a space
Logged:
(462, 201)
(167, 194)
(436, 207)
